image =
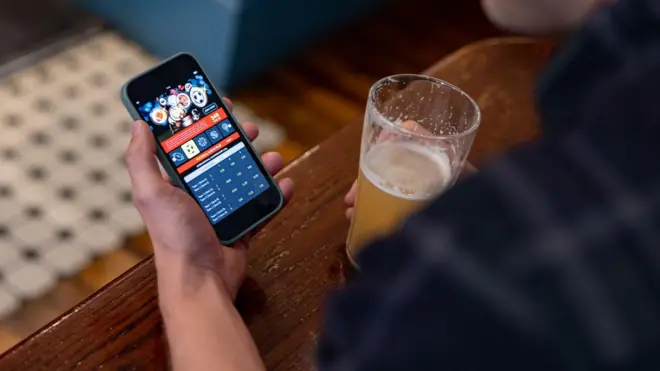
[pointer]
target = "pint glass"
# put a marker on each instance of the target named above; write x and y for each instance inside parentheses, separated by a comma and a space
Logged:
(417, 134)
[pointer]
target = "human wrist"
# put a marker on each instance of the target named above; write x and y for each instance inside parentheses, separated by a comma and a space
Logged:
(180, 279)
(207, 331)
(208, 259)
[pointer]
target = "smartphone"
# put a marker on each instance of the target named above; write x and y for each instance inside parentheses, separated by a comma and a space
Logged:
(202, 147)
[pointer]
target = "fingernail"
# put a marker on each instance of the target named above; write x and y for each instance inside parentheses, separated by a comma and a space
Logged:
(136, 128)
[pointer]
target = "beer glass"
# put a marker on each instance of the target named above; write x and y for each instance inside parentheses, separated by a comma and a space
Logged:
(417, 134)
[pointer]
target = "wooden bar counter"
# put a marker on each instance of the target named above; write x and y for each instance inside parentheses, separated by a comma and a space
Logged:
(299, 258)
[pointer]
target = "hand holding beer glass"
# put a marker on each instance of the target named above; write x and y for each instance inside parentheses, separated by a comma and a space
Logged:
(417, 134)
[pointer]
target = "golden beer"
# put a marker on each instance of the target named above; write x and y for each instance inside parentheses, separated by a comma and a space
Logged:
(395, 179)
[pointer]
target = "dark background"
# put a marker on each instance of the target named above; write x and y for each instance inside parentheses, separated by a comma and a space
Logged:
(29, 25)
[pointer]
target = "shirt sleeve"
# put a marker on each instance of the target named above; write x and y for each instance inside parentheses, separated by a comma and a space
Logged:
(433, 296)
(545, 260)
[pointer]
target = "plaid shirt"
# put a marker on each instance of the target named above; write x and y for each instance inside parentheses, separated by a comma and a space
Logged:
(549, 258)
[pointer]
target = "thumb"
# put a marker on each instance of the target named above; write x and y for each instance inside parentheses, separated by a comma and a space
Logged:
(141, 162)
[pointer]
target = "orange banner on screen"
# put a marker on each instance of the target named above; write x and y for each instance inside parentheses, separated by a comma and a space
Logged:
(206, 154)
(175, 141)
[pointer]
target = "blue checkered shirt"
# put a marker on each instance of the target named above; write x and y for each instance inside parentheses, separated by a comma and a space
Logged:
(549, 258)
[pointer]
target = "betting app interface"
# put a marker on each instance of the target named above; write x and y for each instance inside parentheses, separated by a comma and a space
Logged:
(204, 146)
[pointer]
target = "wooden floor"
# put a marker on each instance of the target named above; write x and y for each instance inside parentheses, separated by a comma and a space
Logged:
(313, 96)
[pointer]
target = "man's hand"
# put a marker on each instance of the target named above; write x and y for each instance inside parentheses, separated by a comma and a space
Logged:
(352, 193)
(410, 126)
(180, 232)
(198, 278)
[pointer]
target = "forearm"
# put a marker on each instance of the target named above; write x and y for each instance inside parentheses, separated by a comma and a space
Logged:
(204, 329)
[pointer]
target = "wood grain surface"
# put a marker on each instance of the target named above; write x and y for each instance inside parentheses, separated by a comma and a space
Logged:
(299, 258)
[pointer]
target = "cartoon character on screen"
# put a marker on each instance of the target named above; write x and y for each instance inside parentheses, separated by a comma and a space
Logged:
(178, 104)
(158, 115)
(195, 114)
(184, 102)
(177, 114)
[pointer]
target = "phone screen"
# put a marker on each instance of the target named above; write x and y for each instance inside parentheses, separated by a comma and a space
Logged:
(210, 156)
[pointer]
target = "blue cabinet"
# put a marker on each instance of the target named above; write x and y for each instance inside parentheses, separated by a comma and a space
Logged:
(233, 39)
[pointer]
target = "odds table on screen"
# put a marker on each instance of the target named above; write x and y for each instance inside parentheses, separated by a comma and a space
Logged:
(227, 182)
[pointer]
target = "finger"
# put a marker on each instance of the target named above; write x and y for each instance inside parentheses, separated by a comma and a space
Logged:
(286, 186)
(468, 169)
(349, 213)
(141, 160)
(412, 125)
(273, 162)
(350, 196)
(229, 104)
(251, 130)
(408, 125)
(163, 174)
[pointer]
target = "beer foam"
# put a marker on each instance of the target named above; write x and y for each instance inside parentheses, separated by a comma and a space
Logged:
(407, 169)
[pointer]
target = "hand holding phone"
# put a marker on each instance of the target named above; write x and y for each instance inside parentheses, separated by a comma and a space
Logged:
(179, 229)
(220, 189)
(202, 148)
